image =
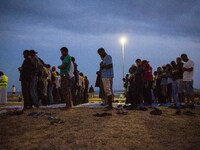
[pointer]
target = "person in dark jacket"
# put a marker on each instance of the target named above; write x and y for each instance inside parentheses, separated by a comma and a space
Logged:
(133, 87)
(86, 90)
(35, 77)
(25, 78)
(179, 79)
(158, 85)
(139, 81)
(75, 84)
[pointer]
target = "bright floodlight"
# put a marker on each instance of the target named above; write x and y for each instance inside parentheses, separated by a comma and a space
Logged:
(123, 40)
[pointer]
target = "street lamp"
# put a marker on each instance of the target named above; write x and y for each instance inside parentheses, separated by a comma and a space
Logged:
(123, 41)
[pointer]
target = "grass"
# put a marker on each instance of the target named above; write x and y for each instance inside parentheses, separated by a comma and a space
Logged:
(81, 130)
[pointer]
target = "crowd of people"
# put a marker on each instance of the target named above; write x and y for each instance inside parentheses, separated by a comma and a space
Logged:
(43, 85)
(170, 83)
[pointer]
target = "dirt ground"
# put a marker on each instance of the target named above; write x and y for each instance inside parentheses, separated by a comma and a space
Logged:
(81, 130)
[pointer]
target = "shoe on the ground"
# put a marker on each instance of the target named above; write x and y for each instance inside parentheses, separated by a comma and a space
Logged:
(178, 112)
(57, 122)
(190, 106)
(16, 112)
(142, 108)
(156, 112)
(188, 113)
(32, 113)
(173, 107)
(102, 114)
(182, 106)
(130, 107)
(122, 112)
(54, 120)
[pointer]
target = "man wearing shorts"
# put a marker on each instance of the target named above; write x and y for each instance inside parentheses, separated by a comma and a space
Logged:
(107, 75)
(188, 71)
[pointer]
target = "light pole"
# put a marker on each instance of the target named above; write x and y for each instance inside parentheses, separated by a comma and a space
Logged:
(123, 41)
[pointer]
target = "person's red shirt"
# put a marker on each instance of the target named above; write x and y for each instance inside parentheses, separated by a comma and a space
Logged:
(148, 73)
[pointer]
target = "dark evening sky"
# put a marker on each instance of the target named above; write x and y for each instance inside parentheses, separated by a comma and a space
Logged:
(156, 30)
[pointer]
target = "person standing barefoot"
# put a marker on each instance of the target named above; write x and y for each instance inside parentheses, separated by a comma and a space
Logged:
(188, 71)
(107, 75)
(65, 77)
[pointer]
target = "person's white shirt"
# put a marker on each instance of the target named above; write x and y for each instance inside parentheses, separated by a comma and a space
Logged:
(188, 75)
(80, 81)
(49, 74)
(71, 71)
(14, 89)
(58, 82)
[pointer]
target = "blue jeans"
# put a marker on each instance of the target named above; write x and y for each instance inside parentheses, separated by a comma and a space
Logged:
(175, 92)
